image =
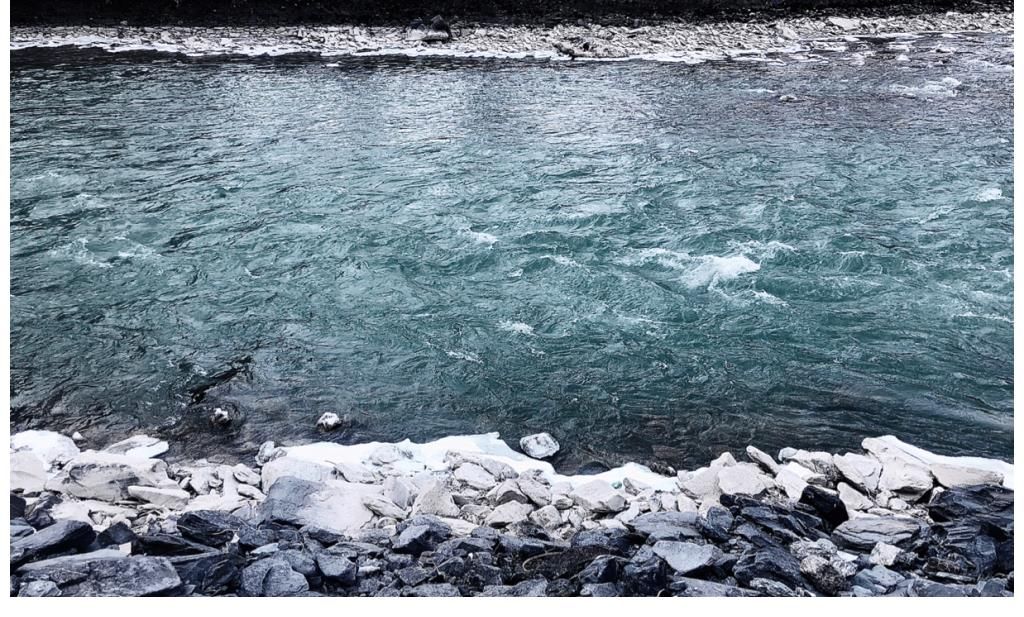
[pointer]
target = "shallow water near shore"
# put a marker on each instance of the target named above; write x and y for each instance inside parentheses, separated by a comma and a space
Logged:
(652, 261)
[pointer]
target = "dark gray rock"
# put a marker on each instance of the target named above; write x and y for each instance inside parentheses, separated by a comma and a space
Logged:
(38, 513)
(213, 573)
(600, 590)
(272, 577)
(61, 537)
(986, 503)
(604, 569)
(562, 588)
(768, 563)
(437, 590)
(687, 557)
(696, 588)
(532, 588)
(105, 573)
(773, 588)
(644, 575)
(210, 527)
(716, 524)
(17, 506)
(165, 544)
(336, 568)
(863, 532)
(782, 525)
(826, 504)
(611, 541)
(412, 576)
(418, 538)
(667, 526)
(117, 534)
(521, 548)
(250, 538)
(879, 579)
(921, 588)
(301, 561)
(20, 528)
(829, 575)
(39, 589)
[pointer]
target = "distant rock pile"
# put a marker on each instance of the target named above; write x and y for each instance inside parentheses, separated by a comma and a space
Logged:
(469, 516)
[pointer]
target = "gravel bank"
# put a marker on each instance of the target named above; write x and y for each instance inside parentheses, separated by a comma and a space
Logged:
(470, 516)
(669, 41)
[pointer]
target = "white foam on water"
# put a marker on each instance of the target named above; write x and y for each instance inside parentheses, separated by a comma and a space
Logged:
(699, 270)
(468, 356)
(989, 194)
(516, 327)
(763, 250)
(973, 315)
(711, 268)
(564, 261)
(481, 237)
(945, 88)
(767, 298)
(78, 251)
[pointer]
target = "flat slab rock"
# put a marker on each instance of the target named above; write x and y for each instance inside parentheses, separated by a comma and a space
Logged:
(106, 574)
(862, 533)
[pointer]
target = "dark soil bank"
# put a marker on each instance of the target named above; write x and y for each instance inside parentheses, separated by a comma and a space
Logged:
(280, 12)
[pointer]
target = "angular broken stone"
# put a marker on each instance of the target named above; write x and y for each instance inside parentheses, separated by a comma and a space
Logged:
(863, 532)
(435, 499)
(743, 479)
(687, 557)
(475, 476)
(599, 496)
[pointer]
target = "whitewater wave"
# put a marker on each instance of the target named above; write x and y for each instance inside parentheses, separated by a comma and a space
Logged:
(481, 237)
(973, 315)
(563, 260)
(516, 327)
(78, 251)
(468, 356)
(946, 88)
(989, 194)
(709, 270)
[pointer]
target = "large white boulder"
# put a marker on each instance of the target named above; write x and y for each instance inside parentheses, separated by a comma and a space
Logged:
(743, 479)
(334, 505)
(139, 446)
(541, 445)
(171, 498)
(28, 472)
(50, 447)
(106, 476)
(599, 496)
(436, 499)
(305, 469)
(862, 472)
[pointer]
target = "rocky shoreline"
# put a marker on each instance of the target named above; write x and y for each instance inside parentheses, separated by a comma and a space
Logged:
(676, 40)
(470, 516)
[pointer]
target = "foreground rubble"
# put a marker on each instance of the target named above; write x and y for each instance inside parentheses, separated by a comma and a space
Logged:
(470, 516)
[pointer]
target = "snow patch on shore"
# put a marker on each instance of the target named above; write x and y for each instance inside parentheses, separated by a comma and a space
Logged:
(430, 456)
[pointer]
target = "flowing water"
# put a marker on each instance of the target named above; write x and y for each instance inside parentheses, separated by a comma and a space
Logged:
(653, 261)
